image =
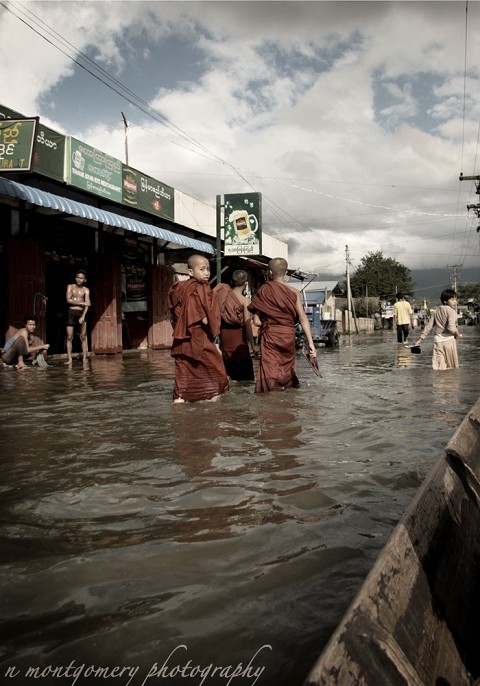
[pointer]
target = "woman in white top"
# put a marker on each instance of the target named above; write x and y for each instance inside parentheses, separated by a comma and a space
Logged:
(444, 325)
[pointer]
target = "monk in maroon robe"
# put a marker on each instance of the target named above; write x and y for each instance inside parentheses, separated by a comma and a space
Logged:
(236, 328)
(277, 308)
(195, 315)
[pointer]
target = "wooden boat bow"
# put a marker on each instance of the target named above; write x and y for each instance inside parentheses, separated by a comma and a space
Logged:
(414, 622)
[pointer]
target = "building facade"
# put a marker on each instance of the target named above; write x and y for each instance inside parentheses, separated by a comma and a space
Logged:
(74, 207)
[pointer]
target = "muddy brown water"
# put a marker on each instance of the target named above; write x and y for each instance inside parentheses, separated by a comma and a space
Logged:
(210, 543)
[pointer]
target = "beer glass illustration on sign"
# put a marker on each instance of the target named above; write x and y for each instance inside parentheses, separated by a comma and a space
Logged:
(244, 225)
(79, 160)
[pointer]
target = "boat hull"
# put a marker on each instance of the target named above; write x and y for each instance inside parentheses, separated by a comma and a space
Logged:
(415, 619)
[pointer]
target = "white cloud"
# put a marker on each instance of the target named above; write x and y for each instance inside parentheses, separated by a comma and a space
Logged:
(347, 116)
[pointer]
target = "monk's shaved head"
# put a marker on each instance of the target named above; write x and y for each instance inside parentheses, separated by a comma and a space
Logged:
(278, 266)
(239, 277)
(195, 259)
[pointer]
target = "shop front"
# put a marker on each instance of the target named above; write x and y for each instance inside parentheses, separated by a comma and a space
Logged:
(46, 238)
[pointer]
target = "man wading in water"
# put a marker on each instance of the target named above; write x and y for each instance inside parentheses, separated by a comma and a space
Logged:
(78, 299)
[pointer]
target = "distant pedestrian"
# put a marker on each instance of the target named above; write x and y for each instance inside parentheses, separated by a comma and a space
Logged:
(444, 325)
(402, 315)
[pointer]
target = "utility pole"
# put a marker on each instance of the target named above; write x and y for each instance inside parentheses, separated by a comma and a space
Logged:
(126, 138)
(454, 275)
(349, 293)
(475, 208)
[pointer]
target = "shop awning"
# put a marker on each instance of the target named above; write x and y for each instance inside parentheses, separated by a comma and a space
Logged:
(41, 198)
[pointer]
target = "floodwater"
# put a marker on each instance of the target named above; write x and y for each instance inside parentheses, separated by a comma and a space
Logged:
(209, 543)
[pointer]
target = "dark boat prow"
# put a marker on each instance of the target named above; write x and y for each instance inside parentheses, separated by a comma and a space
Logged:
(415, 620)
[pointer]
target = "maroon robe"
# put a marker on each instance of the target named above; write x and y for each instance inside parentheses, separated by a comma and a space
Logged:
(233, 337)
(277, 305)
(199, 369)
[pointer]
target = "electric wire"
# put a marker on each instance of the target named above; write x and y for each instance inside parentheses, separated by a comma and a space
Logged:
(279, 214)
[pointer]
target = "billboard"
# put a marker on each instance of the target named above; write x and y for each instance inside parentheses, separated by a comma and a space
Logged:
(49, 153)
(28, 145)
(93, 170)
(48, 147)
(147, 194)
(243, 224)
(16, 144)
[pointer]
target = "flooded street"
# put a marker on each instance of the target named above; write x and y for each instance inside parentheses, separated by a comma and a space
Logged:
(210, 543)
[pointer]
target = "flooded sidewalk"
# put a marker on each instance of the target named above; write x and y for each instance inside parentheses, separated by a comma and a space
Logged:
(138, 534)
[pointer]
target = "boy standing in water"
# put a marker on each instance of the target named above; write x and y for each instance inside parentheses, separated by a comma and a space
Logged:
(78, 300)
(195, 316)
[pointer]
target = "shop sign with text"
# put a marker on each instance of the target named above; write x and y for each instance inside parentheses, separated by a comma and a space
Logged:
(147, 194)
(49, 153)
(16, 144)
(243, 224)
(93, 170)
(48, 147)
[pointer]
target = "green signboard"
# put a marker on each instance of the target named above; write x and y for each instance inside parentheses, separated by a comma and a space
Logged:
(243, 224)
(49, 153)
(145, 193)
(7, 113)
(48, 147)
(16, 144)
(93, 170)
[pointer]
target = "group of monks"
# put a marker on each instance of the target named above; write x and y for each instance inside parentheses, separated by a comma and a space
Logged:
(199, 314)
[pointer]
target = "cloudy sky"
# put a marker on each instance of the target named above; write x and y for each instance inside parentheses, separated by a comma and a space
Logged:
(353, 119)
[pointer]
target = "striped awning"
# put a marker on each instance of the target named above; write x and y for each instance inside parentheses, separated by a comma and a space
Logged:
(41, 198)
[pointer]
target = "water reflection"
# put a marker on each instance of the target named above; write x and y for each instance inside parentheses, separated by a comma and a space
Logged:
(404, 357)
(129, 525)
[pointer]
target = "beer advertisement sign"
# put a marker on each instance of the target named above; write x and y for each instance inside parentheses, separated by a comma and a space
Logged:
(243, 224)
(145, 193)
(16, 144)
(94, 170)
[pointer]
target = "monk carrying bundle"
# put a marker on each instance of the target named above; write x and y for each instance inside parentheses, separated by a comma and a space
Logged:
(277, 307)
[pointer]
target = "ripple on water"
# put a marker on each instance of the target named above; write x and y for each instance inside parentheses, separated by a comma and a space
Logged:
(130, 526)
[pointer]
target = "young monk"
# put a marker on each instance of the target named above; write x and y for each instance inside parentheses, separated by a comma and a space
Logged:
(195, 316)
(277, 307)
(236, 328)
(24, 345)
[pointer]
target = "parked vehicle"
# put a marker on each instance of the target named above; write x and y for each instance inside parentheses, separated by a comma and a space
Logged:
(325, 332)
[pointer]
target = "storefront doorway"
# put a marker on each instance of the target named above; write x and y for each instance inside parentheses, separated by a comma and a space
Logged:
(58, 274)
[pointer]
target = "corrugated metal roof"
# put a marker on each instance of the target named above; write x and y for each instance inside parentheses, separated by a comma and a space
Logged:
(314, 285)
(79, 209)
(314, 297)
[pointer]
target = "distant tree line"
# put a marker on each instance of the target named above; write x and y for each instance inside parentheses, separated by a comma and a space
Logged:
(382, 277)
(469, 291)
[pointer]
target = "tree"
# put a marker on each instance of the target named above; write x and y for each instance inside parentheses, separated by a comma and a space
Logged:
(381, 276)
(469, 291)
